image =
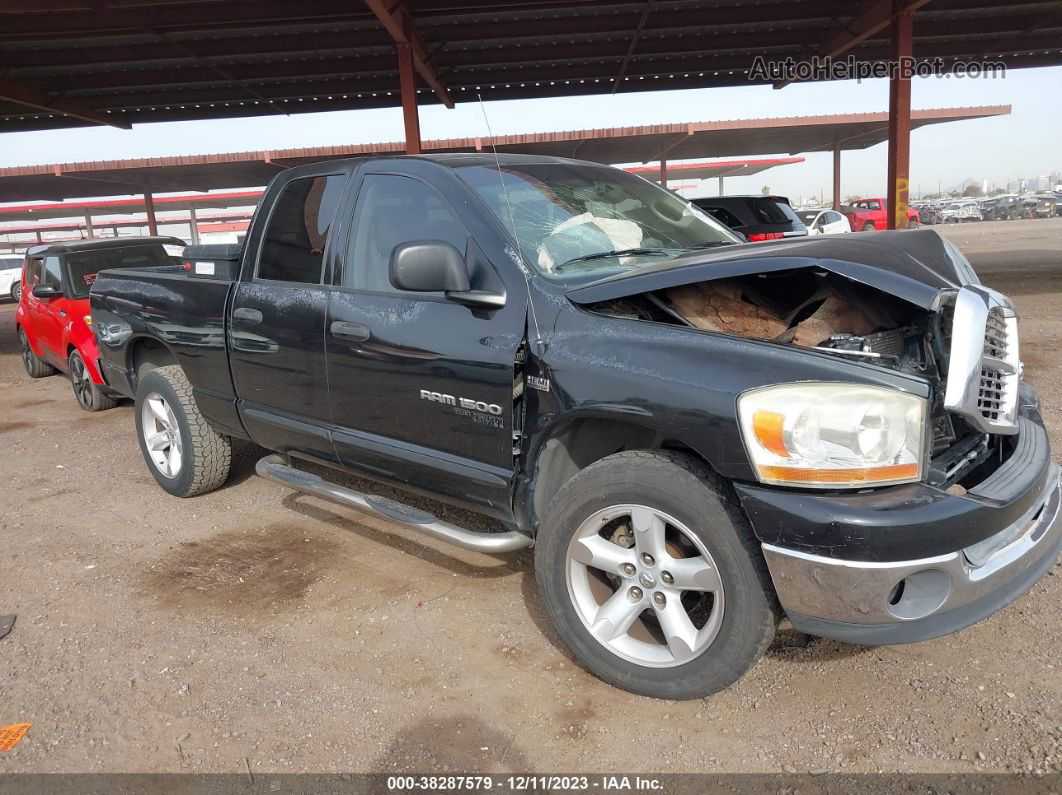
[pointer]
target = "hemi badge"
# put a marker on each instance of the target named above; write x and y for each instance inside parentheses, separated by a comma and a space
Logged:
(535, 382)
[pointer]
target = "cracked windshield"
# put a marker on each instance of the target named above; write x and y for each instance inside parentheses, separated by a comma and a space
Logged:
(574, 221)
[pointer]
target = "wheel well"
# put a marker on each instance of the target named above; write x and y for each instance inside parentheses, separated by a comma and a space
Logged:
(584, 442)
(148, 354)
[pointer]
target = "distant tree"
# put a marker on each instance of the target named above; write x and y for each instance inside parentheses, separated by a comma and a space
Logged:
(997, 191)
(973, 190)
(765, 190)
(851, 197)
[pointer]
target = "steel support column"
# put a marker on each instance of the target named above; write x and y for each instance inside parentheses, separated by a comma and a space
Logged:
(149, 205)
(88, 226)
(663, 172)
(720, 178)
(837, 177)
(410, 114)
(902, 27)
(193, 226)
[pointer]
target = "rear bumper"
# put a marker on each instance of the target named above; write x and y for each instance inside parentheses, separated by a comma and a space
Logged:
(907, 601)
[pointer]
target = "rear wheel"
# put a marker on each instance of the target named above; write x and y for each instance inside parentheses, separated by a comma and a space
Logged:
(184, 454)
(651, 576)
(16, 291)
(35, 368)
(88, 394)
(868, 226)
(912, 223)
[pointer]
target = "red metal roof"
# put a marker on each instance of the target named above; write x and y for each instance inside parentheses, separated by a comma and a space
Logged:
(679, 141)
(715, 168)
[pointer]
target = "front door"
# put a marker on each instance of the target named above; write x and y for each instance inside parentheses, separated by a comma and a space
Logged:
(422, 388)
(50, 314)
(277, 322)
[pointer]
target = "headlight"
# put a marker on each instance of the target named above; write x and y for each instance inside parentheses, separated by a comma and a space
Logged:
(833, 435)
(88, 320)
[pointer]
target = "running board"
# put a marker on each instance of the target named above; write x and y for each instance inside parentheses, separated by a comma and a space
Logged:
(273, 467)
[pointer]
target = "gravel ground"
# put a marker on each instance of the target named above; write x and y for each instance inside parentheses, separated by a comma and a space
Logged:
(253, 629)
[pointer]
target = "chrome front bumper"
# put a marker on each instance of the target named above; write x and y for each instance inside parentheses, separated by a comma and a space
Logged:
(908, 601)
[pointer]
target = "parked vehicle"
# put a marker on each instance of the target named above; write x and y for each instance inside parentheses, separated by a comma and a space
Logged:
(958, 212)
(1044, 207)
(757, 218)
(1001, 208)
(10, 283)
(866, 215)
(693, 432)
(824, 222)
(53, 319)
(929, 214)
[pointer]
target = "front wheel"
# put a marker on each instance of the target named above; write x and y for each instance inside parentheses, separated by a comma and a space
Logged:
(16, 291)
(912, 223)
(89, 396)
(183, 452)
(868, 226)
(649, 571)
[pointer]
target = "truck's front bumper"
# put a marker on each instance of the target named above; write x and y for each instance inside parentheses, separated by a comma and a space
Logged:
(907, 601)
(912, 562)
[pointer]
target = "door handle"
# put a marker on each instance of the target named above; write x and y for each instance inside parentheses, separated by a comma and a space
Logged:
(251, 317)
(350, 331)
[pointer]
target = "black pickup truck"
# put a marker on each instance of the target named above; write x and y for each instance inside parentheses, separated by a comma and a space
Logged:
(696, 434)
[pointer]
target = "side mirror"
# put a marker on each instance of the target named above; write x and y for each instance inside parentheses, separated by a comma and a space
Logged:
(45, 291)
(428, 266)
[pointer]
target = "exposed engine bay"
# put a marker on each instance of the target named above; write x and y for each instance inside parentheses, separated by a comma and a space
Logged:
(809, 308)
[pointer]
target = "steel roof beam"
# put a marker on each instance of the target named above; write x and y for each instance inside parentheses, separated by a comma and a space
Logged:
(874, 18)
(398, 22)
(32, 97)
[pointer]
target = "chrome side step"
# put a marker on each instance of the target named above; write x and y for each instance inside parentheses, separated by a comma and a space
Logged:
(273, 467)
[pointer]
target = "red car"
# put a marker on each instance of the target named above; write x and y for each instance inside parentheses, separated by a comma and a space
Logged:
(53, 321)
(866, 215)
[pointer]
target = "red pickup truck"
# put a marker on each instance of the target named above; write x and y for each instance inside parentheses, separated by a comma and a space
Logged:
(866, 215)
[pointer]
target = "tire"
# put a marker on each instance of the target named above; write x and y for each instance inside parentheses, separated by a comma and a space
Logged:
(186, 456)
(699, 515)
(88, 394)
(35, 368)
(912, 223)
(16, 291)
(869, 226)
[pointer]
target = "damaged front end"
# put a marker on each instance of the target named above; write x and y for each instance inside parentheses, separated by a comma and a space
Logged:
(963, 341)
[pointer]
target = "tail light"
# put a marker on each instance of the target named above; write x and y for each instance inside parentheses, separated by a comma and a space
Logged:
(757, 236)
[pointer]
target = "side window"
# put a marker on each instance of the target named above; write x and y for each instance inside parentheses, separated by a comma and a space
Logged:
(33, 271)
(873, 205)
(294, 241)
(723, 216)
(393, 210)
(52, 275)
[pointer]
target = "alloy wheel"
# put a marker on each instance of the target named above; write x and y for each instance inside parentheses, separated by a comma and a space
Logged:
(162, 435)
(79, 378)
(644, 586)
(27, 351)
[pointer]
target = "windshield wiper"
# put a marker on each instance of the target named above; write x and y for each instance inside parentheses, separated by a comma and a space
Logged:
(623, 252)
(707, 244)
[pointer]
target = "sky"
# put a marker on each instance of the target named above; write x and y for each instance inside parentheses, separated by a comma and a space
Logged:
(1024, 144)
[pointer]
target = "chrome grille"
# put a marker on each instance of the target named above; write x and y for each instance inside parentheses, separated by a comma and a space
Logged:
(984, 369)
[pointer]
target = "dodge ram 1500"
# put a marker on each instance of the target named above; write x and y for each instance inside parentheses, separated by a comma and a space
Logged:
(696, 434)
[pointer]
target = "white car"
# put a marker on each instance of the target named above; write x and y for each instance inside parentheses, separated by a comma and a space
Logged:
(962, 211)
(10, 277)
(824, 222)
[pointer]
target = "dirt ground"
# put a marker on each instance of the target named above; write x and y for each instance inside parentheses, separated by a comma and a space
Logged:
(253, 629)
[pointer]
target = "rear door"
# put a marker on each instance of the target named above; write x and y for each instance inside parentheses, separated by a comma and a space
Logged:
(277, 319)
(422, 388)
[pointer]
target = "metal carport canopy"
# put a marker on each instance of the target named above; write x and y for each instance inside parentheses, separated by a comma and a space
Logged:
(693, 140)
(119, 62)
